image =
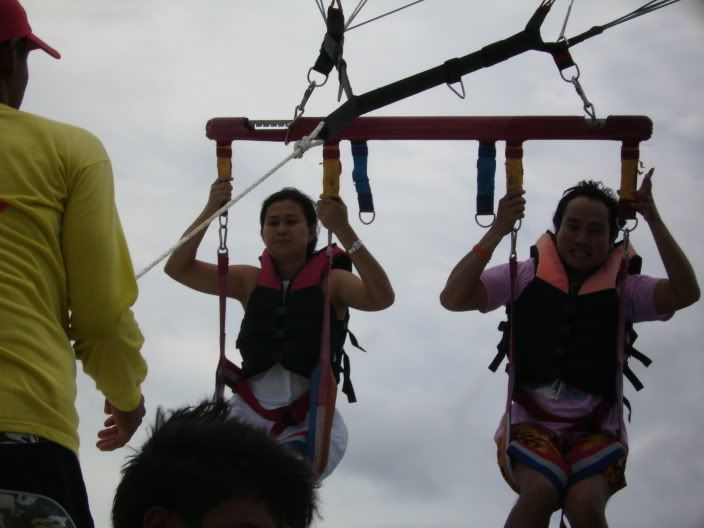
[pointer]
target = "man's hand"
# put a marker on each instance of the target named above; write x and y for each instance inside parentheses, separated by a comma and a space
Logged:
(119, 426)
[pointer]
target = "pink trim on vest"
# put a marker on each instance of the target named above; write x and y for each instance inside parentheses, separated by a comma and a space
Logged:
(551, 270)
(310, 275)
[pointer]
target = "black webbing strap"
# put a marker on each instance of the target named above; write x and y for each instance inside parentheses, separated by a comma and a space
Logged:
(453, 69)
(331, 48)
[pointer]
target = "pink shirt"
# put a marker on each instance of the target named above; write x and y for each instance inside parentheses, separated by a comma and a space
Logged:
(559, 398)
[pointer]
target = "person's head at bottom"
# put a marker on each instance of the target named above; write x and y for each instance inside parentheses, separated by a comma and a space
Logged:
(201, 469)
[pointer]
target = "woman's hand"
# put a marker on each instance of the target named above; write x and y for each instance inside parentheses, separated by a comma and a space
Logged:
(220, 194)
(332, 213)
(511, 209)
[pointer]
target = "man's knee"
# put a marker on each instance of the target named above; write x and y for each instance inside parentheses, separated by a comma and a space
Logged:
(585, 502)
(536, 489)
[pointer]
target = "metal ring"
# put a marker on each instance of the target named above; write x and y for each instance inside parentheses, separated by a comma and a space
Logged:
(573, 78)
(370, 221)
(314, 83)
(493, 219)
(625, 229)
(460, 95)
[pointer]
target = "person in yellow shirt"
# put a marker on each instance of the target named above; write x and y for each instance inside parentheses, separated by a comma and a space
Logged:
(66, 288)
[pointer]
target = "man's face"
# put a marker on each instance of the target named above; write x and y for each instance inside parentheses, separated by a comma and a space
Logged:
(583, 240)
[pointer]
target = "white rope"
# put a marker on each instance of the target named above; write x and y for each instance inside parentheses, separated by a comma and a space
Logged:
(299, 148)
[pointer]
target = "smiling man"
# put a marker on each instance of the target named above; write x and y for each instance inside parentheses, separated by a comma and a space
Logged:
(566, 444)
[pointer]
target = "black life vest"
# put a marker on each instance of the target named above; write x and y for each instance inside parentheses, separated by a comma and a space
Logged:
(284, 325)
(570, 335)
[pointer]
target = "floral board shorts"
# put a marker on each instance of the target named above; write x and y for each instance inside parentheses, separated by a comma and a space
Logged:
(563, 461)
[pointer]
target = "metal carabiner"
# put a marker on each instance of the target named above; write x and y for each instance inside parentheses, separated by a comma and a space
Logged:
(222, 233)
(514, 236)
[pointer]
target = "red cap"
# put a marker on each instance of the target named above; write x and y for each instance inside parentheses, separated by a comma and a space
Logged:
(14, 24)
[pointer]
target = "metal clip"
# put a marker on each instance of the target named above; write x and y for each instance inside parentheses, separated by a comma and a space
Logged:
(301, 107)
(460, 95)
(586, 104)
(222, 234)
(514, 237)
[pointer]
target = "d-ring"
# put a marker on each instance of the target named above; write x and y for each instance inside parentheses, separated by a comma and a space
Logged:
(493, 219)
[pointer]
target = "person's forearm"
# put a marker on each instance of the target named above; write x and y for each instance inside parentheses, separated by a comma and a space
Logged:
(183, 257)
(464, 278)
(370, 271)
(681, 276)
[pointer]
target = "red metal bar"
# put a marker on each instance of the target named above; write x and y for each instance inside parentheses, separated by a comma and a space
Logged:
(489, 128)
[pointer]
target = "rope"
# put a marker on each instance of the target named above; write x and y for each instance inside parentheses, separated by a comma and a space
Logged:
(354, 13)
(386, 14)
(321, 8)
(564, 24)
(299, 148)
(646, 8)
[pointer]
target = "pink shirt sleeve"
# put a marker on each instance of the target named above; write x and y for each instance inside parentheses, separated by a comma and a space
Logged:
(638, 297)
(497, 283)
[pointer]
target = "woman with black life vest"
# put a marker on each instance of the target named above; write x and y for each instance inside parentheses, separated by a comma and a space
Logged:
(566, 447)
(280, 335)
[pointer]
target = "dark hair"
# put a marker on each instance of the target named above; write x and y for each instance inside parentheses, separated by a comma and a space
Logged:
(594, 190)
(306, 203)
(198, 457)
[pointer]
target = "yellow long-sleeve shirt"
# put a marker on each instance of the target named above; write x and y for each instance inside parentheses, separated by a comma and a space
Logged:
(66, 279)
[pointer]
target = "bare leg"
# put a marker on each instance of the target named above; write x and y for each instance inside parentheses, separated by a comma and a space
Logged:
(537, 499)
(585, 503)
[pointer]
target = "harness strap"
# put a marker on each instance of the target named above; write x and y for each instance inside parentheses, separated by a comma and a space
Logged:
(220, 382)
(360, 153)
(630, 376)
(486, 174)
(636, 354)
(323, 389)
(331, 48)
(510, 367)
(621, 348)
(284, 416)
(501, 354)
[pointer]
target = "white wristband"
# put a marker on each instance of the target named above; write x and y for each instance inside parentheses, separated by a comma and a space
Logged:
(356, 246)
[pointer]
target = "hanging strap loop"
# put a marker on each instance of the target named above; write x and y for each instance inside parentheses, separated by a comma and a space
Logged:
(486, 176)
(360, 178)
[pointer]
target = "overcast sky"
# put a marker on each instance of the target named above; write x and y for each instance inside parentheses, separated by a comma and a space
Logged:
(145, 76)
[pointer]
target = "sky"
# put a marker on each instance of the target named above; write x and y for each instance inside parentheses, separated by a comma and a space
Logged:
(145, 76)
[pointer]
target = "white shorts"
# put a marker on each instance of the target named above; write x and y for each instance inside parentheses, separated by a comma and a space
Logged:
(296, 433)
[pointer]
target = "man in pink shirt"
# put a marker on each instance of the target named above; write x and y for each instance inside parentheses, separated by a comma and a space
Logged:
(564, 443)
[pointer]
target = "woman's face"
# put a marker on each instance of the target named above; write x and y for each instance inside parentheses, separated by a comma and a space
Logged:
(285, 233)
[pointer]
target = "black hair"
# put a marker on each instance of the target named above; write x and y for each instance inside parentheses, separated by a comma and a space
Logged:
(594, 190)
(306, 203)
(197, 457)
